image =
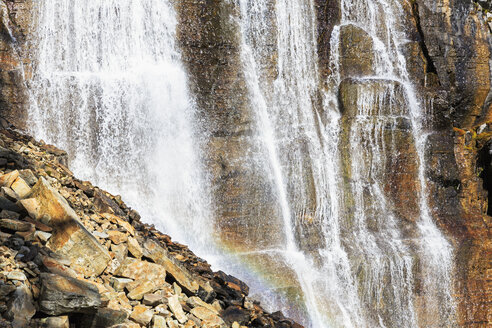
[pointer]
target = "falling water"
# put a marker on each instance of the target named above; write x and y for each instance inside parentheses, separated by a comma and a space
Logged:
(331, 171)
(109, 88)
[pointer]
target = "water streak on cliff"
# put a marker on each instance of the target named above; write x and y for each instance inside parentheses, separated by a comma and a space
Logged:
(110, 89)
(359, 177)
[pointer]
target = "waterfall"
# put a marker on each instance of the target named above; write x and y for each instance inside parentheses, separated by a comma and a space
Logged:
(344, 156)
(337, 171)
(109, 88)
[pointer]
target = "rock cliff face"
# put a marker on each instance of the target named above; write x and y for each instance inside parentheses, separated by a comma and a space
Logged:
(73, 255)
(14, 63)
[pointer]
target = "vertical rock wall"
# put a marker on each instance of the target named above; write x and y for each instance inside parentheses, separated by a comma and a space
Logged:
(15, 20)
(209, 36)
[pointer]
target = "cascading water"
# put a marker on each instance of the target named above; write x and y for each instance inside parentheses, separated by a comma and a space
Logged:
(338, 172)
(109, 88)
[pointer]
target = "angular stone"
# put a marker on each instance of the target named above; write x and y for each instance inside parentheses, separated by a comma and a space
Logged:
(10, 194)
(101, 235)
(15, 225)
(38, 224)
(208, 316)
(57, 267)
(42, 236)
(4, 214)
(16, 275)
(162, 309)
(6, 180)
(119, 283)
(172, 323)
(52, 322)
(81, 247)
(6, 290)
(21, 308)
(152, 299)
(159, 322)
(108, 317)
(106, 204)
(70, 238)
(140, 270)
(20, 187)
(159, 255)
(61, 295)
(196, 302)
(138, 289)
(142, 315)
(50, 207)
(117, 237)
(235, 313)
(120, 251)
(176, 309)
(28, 176)
(122, 223)
(134, 248)
(6, 204)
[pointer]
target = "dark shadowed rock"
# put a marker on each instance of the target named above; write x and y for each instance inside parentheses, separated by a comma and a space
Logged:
(61, 295)
(21, 307)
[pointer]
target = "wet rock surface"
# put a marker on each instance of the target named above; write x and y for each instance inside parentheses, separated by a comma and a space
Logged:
(63, 267)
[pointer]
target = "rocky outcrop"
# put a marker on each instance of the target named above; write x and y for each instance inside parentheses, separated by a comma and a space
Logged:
(15, 21)
(74, 255)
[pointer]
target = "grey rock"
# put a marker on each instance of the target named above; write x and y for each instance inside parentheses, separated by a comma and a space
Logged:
(61, 295)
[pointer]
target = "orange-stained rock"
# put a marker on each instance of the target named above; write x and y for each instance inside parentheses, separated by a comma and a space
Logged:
(142, 315)
(140, 270)
(159, 255)
(70, 238)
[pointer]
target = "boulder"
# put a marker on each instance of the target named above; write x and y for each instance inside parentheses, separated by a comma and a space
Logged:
(16, 275)
(140, 270)
(105, 318)
(134, 248)
(197, 302)
(52, 322)
(177, 309)
(138, 289)
(152, 299)
(159, 322)
(10, 194)
(61, 295)
(70, 237)
(106, 204)
(20, 187)
(159, 255)
(209, 317)
(142, 315)
(21, 307)
(119, 283)
(7, 179)
(6, 204)
(15, 225)
(117, 237)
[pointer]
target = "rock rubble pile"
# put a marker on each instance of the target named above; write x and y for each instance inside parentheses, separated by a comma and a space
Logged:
(73, 255)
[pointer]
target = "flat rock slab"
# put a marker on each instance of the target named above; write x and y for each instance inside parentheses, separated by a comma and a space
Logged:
(159, 255)
(61, 295)
(140, 270)
(70, 238)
